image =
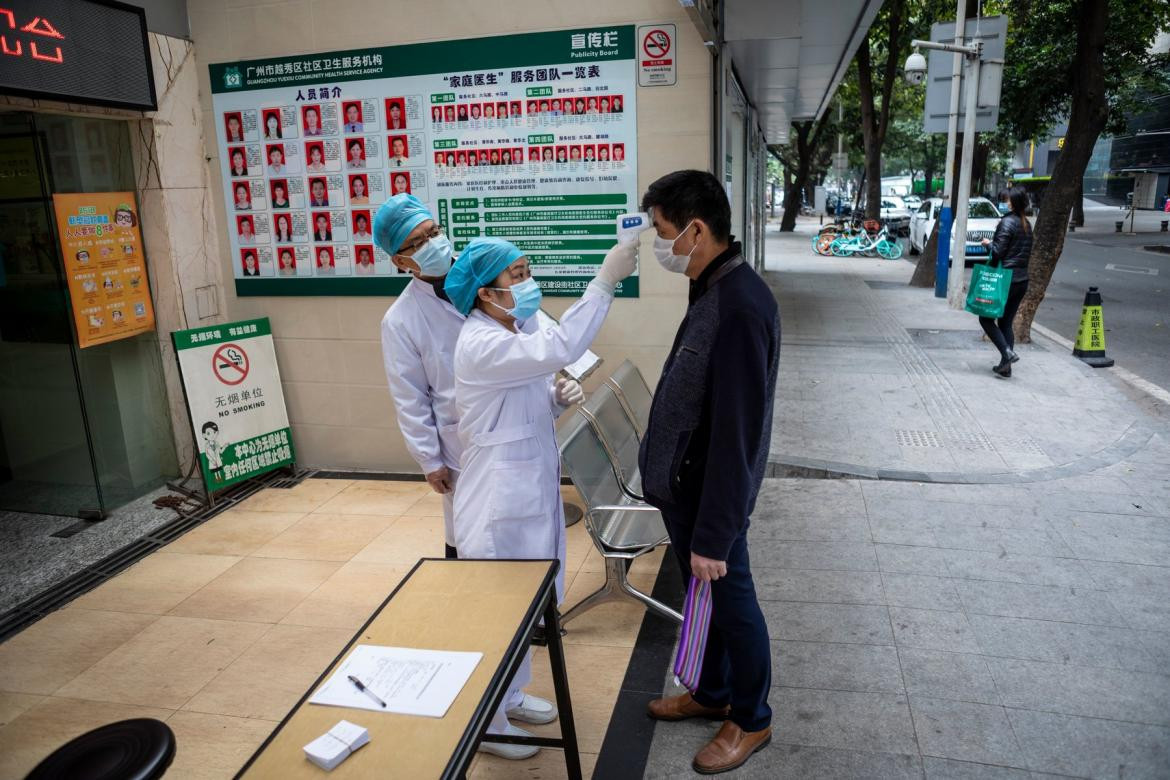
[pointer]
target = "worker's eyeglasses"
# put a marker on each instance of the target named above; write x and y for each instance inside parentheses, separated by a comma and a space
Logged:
(434, 232)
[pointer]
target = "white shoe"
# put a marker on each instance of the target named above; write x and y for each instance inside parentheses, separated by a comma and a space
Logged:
(533, 710)
(510, 752)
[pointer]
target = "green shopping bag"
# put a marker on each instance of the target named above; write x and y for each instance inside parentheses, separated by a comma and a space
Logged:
(989, 290)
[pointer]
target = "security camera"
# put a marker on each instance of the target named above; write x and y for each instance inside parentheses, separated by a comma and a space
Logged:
(915, 69)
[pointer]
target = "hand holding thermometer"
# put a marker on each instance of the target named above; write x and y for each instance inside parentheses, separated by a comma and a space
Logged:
(630, 226)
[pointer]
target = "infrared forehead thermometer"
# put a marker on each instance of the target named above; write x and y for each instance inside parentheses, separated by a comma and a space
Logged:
(630, 226)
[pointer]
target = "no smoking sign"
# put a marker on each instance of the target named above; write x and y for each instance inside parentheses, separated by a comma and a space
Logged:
(230, 364)
(657, 60)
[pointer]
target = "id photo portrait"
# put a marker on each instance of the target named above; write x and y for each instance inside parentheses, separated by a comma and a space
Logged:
(233, 126)
(359, 189)
(315, 154)
(361, 226)
(239, 161)
(286, 261)
(318, 192)
(324, 257)
(249, 263)
(311, 120)
(355, 153)
(283, 224)
(279, 189)
(365, 260)
(399, 150)
(274, 153)
(395, 113)
(400, 183)
(243, 196)
(246, 229)
(272, 128)
(352, 111)
(322, 226)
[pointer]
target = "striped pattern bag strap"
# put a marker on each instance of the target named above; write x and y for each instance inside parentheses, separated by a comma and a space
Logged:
(692, 642)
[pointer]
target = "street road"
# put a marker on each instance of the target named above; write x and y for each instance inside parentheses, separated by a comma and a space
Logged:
(1136, 303)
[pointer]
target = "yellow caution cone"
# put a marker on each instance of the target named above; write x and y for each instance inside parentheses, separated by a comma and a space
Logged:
(1090, 346)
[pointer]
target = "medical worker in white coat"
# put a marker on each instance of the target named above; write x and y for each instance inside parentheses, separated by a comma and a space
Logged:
(509, 502)
(419, 332)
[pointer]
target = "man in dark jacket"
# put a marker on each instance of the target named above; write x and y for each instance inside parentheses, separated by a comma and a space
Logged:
(705, 451)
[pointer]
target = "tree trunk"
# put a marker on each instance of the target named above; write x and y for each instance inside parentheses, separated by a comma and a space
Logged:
(875, 121)
(1086, 120)
(808, 136)
(1079, 206)
(926, 271)
(979, 166)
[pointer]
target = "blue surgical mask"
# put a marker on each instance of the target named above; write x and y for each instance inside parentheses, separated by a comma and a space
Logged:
(434, 257)
(525, 296)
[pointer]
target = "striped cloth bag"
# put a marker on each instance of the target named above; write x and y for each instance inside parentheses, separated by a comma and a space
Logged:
(692, 642)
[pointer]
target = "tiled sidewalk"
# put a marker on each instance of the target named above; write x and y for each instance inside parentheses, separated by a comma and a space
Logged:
(221, 632)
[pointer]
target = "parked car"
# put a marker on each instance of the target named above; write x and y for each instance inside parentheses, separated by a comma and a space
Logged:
(912, 202)
(982, 217)
(895, 215)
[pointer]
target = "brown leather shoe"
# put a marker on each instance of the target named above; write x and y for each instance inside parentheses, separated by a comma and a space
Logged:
(731, 747)
(682, 707)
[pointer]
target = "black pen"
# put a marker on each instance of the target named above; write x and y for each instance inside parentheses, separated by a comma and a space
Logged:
(361, 687)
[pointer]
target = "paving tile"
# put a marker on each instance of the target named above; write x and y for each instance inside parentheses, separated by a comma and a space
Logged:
(1090, 747)
(157, 583)
(214, 746)
(846, 667)
(900, 559)
(1142, 609)
(964, 731)
(1126, 526)
(950, 769)
(305, 497)
(62, 645)
(832, 587)
(234, 532)
(166, 664)
(42, 729)
(1081, 690)
(853, 623)
(931, 629)
(271, 675)
(1109, 575)
(839, 719)
(261, 590)
(903, 530)
(1024, 569)
(942, 675)
(846, 556)
(813, 528)
(13, 705)
(1010, 540)
(1102, 546)
(920, 591)
(348, 597)
(819, 763)
(1157, 644)
(1062, 643)
(1074, 605)
(322, 536)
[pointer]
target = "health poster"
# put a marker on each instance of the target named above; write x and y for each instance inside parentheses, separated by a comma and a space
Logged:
(101, 246)
(530, 137)
(235, 400)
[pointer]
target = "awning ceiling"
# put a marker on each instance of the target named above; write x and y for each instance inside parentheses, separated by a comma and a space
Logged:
(791, 55)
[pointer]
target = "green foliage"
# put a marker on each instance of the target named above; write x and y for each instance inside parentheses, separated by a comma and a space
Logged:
(1041, 45)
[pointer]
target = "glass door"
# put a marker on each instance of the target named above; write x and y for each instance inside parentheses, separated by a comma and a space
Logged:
(46, 453)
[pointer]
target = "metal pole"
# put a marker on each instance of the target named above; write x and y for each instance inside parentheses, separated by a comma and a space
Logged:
(956, 282)
(946, 217)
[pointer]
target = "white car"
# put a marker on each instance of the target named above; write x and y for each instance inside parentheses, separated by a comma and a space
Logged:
(982, 218)
(895, 215)
(912, 202)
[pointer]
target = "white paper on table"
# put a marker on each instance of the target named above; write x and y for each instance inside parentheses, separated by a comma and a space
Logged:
(410, 681)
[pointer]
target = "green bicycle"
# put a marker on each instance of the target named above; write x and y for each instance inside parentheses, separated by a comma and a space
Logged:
(867, 244)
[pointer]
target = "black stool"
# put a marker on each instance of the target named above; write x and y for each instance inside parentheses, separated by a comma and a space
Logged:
(138, 749)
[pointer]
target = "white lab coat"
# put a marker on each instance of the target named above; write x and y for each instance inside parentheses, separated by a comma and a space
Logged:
(509, 500)
(419, 332)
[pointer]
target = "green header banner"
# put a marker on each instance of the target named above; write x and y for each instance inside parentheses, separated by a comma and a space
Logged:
(500, 54)
(221, 334)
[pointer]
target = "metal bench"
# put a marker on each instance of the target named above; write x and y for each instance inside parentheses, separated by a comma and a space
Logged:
(605, 413)
(633, 393)
(620, 527)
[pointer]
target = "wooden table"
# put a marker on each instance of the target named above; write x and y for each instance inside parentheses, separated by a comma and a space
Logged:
(486, 606)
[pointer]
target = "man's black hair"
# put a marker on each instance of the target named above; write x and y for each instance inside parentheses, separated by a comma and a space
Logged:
(685, 195)
(210, 425)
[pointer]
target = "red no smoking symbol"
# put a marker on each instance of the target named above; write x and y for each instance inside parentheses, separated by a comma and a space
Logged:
(230, 364)
(656, 44)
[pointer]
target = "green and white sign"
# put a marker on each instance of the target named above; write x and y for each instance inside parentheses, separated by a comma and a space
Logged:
(235, 400)
(531, 137)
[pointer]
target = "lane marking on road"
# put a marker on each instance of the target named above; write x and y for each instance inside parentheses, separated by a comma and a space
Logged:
(1131, 269)
(1130, 378)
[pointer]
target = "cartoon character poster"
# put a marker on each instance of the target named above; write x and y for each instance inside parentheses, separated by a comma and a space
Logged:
(101, 245)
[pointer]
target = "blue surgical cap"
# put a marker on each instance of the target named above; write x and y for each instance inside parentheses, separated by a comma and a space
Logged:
(395, 219)
(481, 262)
